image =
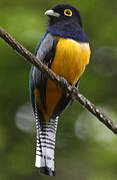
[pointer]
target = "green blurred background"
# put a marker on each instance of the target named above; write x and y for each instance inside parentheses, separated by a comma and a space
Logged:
(85, 149)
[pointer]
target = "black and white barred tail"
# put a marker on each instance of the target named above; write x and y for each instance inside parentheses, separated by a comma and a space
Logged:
(45, 145)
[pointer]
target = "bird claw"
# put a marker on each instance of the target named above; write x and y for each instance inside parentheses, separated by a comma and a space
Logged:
(73, 98)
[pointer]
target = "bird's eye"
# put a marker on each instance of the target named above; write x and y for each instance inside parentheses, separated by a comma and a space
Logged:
(68, 12)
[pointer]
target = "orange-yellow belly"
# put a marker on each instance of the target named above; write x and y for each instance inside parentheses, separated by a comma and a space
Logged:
(70, 61)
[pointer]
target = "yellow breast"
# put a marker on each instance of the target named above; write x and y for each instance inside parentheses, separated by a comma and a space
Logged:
(71, 59)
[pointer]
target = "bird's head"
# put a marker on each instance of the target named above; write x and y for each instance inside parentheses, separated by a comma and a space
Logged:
(63, 12)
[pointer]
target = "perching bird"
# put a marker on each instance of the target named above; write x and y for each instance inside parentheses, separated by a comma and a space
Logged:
(64, 48)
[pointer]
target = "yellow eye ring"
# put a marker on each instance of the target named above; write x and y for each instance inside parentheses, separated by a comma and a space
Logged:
(68, 12)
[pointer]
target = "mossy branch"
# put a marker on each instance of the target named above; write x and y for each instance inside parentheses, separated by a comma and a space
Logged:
(60, 81)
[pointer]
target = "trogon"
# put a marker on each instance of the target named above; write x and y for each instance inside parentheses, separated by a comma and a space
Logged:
(64, 48)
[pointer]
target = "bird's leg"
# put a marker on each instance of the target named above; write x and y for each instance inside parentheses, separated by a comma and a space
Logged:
(73, 98)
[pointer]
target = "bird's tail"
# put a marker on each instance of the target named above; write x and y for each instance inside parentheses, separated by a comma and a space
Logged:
(45, 145)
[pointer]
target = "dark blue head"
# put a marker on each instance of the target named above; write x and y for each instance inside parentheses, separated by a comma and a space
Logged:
(65, 21)
(64, 12)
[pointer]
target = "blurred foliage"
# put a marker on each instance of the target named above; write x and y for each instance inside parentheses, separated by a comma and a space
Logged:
(85, 150)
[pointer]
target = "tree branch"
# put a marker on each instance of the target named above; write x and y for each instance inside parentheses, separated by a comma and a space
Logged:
(60, 81)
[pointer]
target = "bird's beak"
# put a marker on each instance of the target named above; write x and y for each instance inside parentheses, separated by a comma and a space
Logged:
(52, 13)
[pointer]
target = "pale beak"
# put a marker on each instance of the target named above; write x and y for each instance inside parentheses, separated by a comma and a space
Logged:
(52, 13)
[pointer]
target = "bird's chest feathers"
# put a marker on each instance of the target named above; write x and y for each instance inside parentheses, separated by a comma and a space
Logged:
(70, 59)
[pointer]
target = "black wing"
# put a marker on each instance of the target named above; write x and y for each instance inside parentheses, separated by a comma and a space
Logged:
(45, 53)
